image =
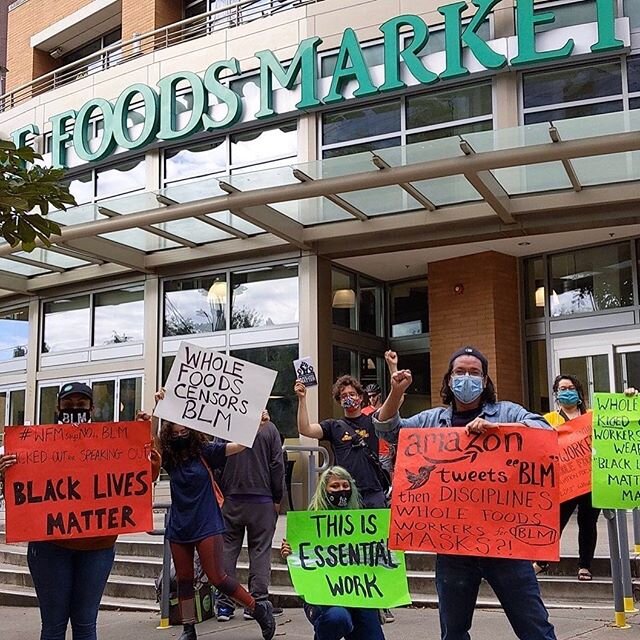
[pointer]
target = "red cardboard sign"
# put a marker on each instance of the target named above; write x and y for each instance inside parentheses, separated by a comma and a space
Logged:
(574, 438)
(494, 494)
(78, 480)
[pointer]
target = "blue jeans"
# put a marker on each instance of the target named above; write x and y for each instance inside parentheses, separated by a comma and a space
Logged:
(69, 586)
(334, 623)
(514, 583)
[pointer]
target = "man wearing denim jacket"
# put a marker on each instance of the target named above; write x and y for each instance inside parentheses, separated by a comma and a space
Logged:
(470, 399)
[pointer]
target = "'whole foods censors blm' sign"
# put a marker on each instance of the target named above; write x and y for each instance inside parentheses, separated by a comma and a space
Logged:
(400, 54)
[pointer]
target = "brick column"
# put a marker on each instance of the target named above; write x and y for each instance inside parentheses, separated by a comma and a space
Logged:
(474, 300)
(141, 16)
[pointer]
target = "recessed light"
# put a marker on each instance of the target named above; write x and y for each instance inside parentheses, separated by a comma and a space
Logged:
(524, 244)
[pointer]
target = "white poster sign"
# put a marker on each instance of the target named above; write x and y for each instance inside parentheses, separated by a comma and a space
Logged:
(216, 394)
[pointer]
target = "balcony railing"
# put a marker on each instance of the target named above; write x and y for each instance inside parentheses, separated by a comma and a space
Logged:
(225, 17)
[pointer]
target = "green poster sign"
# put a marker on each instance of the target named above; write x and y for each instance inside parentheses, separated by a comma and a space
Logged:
(342, 558)
(616, 451)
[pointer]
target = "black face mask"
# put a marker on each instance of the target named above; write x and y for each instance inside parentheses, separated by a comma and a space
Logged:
(73, 416)
(339, 499)
(180, 443)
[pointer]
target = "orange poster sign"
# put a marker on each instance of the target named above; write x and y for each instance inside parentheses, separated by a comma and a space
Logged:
(78, 480)
(574, 439)
(494, 494)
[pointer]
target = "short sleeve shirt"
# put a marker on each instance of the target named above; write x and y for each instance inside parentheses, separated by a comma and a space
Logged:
(195, 513)
(354, 459)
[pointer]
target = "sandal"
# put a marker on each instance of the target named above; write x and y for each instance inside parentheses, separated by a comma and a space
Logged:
(584, 575)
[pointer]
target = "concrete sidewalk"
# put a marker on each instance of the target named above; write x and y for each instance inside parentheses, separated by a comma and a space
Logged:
(418, 624)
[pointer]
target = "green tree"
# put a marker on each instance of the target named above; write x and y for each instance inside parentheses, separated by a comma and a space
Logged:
(25, 189)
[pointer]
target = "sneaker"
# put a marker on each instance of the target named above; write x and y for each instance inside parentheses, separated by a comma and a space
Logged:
(277, 612)
(263, 615)
(225, 613)
(388, 616)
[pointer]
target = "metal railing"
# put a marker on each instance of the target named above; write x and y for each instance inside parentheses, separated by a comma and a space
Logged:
(226, 17)
(313, 470)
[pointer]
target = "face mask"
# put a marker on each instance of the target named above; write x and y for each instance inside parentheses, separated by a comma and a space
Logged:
(339, 499)
(73, 416)
(180, 443)
(568, 398)
(467, 389)
(350, 403)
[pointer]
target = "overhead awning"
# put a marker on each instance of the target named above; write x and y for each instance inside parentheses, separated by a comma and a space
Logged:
(540, 178)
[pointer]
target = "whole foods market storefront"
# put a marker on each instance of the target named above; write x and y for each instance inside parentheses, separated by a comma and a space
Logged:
(377, 191)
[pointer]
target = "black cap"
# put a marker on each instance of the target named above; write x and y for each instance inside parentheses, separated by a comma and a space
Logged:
(373, 389)
(75, 387)
(471, 351)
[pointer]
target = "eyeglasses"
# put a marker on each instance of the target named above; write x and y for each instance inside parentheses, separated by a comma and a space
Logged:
(464, 372)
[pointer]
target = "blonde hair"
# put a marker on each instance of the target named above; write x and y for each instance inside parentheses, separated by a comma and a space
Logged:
(320, 502)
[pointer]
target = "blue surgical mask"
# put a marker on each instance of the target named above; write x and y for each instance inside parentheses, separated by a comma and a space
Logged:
(467, 389)
(568, 398)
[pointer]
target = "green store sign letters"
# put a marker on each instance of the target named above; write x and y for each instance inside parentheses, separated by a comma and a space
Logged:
(160, 102)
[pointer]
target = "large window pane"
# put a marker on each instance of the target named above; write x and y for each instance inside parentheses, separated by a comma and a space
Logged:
(448, 106)
(198, 160)
(534, 291)
(571, 84)
(343, 299)
(350, 149)
(633, 70)
(593, 109)
(14, 333)
(66, 324)
(537, 378)
(418, 395)
(450, 132)
(282, 404)
(593, 279)
(362, 122)
(632, 10)
(119, 316)
(409, 309)
(570, 14)
(252, 147)
(103, 400)
(130, 398)
(344, 362)
(81, 187)
(370, 318)
(16, 407)
(122, 178)
(195, 305)
(167, 363)
(372, 369)
(48, 404)
(265, 297)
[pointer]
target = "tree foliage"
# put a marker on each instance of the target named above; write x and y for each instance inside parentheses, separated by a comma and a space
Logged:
(27, 192)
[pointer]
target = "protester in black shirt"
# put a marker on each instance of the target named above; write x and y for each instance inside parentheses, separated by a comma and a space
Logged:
(352, 438)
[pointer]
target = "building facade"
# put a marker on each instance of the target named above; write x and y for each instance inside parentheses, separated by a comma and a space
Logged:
(325, 178)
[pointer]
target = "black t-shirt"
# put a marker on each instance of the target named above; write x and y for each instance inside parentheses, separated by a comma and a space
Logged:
(463, 418)
(354, 458)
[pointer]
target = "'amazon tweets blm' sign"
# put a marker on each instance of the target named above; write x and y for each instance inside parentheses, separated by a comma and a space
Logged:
(492, 494)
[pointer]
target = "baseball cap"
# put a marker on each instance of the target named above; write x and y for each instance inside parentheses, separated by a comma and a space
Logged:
(471, 351)
(75, 387)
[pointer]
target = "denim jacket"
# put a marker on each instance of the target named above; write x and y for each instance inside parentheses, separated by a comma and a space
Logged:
(441, 417)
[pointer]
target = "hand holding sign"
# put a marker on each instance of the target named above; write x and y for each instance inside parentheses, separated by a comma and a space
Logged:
(216, 394)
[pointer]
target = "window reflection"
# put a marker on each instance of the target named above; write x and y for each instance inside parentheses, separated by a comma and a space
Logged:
(343, 299)
(103, 400)
(370, 317)
(14, 333)
(409, 309)
(16, 407)
(48, 404)
(198, 160)
(195, 305)
(282, 404)
(66, 324)
(252, 147)
(535, 291)
(119, 316)
(121, 178)
(593, 279)
(418, 395)
(264, 297)
(130, 398)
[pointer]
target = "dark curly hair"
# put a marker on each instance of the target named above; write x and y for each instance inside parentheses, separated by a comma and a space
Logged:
(582, 405)
(346, 381)
(173, 458)
(488, 393)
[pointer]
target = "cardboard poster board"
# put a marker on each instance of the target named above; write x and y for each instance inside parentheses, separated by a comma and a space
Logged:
(342, 558)
(78, 480)
(493, 494)
(574, 463)
(216, 394)
(305, 372)
(616, 451)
